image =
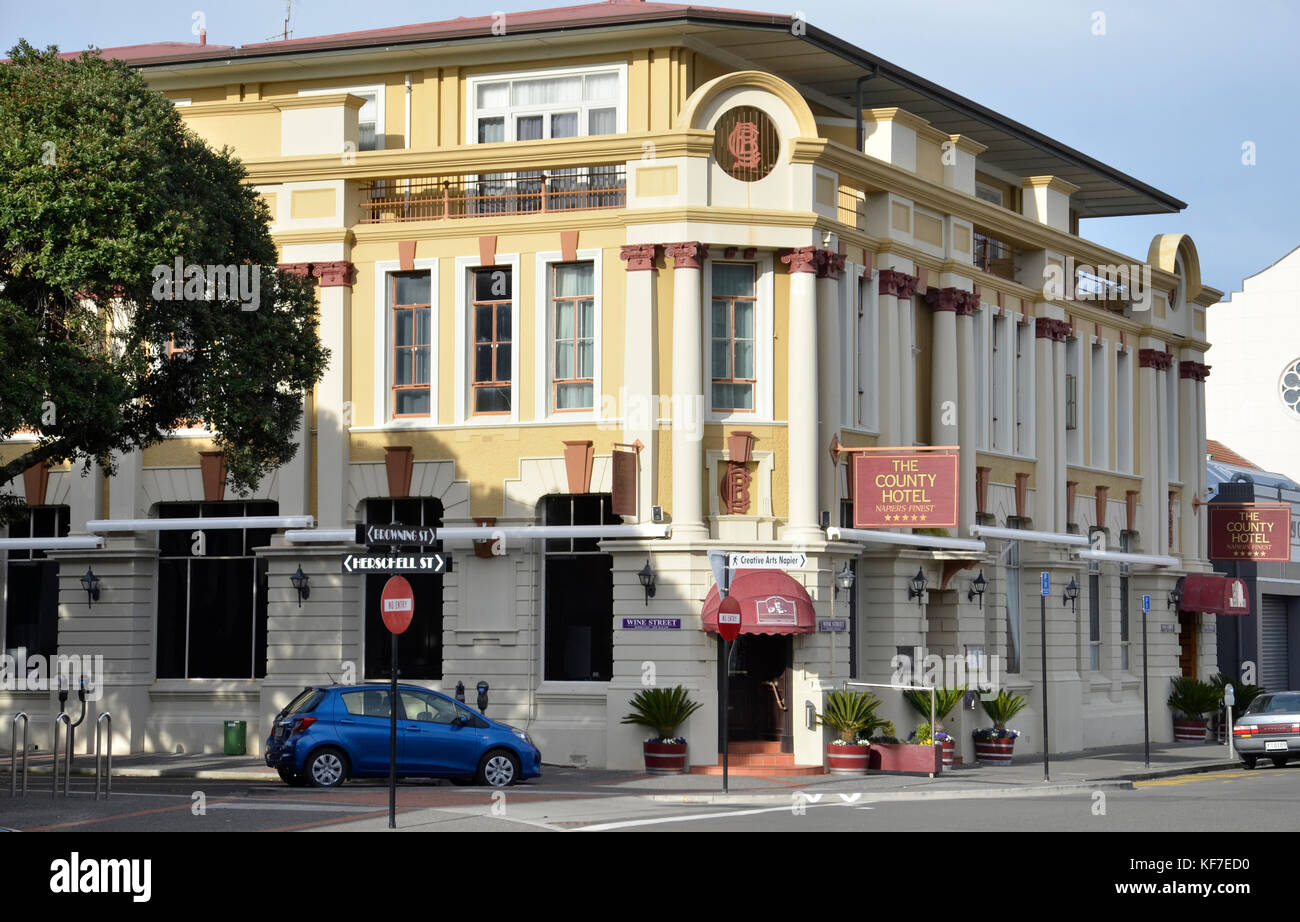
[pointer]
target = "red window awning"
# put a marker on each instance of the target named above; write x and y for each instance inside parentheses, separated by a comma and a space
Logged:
(771, 602)
(1218, 595)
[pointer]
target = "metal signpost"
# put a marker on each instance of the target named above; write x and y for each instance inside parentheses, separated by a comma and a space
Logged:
(1146, 710)
(397, 606)
(728, 630)
(1045, 580)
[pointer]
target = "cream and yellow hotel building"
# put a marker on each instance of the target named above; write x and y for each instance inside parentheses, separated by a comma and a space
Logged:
(637, 268)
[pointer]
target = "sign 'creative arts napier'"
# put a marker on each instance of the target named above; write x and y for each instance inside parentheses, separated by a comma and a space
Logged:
(904, 489)
(1253, 531)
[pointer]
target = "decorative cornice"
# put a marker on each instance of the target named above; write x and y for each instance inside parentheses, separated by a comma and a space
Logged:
(829, 265)
(1155, 358)
(1049, 328)
(690, 254)
(332, 274)
(803, 259)
(899, 284)
(1195, 371)
(639, 256)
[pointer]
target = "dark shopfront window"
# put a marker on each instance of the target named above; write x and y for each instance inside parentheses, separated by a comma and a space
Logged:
(579, 592)
(212, 594)
(32, 585)
(419, 649)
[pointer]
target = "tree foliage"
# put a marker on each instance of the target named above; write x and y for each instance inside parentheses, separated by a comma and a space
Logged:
(102, 183)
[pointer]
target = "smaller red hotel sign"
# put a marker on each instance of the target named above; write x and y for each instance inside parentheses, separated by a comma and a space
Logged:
(895, 488)
(1250, 531)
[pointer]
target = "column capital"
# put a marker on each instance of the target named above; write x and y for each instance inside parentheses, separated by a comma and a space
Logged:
(944, 299)
(337, 274)
(687, 255)
(1155, 358)
(302, 270)
(830, 265)
(1194, 371)
(802, 259)
(968, 303)
(639, 256)
(899, 284)
(1048, 328)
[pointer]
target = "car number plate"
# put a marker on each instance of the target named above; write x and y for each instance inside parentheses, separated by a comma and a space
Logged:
(1276, 744)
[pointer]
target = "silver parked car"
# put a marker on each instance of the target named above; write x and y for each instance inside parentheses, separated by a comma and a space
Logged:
(1270, 728)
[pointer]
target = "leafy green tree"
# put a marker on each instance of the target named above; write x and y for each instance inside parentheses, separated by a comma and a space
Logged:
(101, 187)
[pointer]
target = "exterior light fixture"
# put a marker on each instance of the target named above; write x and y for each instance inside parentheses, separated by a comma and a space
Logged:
(90, 583)
(1072, 593)
(976, 590)
(647, 578)
(1175, 597)
(301, 582)
(917, 587)
(844, 580)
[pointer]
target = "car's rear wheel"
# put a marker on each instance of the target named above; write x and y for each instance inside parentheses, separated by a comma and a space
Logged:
(1279, 761)
(291, 777)
(1249, 761)
(327, 768)
(499, 769)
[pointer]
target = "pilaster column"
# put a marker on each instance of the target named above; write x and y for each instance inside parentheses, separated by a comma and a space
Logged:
(1045, 480)
(966, 408)
(896, 289)
(1191, 451)
(802, 377)
(688, 389)
(1061, 516)
(333, 392)
(1150, 431)
(943, 364)
(830, 373)
(637, 401)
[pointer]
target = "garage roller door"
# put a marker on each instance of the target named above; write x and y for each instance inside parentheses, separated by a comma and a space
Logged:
(1274, 667)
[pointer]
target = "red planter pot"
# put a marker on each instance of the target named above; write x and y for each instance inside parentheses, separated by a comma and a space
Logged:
(995, 751)
(1189, 731)
(948, 747)
(903, 757)
(665, 758)
(847, 760)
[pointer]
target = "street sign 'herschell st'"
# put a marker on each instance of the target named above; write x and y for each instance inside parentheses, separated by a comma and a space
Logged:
(409, 563)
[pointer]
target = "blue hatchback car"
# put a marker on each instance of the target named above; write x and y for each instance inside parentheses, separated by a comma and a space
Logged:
(331, 733)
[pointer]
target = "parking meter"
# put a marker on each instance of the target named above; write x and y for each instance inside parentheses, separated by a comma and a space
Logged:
(460, 692)
(482, 697)
(1229, 696)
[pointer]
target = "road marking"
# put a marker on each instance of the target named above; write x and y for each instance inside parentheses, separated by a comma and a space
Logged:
(1193, 779)
(118, 816)
(601, 827)
(291, 808)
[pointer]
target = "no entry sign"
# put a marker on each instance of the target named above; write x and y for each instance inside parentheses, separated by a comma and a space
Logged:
(397, 604)
(729, 619)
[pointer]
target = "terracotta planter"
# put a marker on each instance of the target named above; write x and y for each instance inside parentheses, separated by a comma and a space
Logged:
(847, 760)
(995, 751)
(948, 747)
(1189, 731)
(665, 758)
(903, 757)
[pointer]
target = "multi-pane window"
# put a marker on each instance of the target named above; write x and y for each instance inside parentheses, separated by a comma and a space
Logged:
(1124, 412)
(493, 339)
(1098, 412)
(1024, 387)
(1094, 621)
(573, 336)
(32, 582)
(563, 105)
(868, 353)
(409, 295)
(212, 594)
(420, 646)
(1013, 607)
(1123, 607)
(732, 337)
(578, 588)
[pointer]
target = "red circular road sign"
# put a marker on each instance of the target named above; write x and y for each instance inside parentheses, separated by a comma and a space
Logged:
(397, 604)
(729, 619)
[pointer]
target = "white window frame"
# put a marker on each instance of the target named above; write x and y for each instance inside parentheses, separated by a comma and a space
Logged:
(1025, 386)
(383, 340)
(1098, 406)
(1171, 422)
(1124, 411)
(463, 365)
(378, 89)
(510, 112)
(983, 401)
(764, 345)
(1074, 369)
(544, 360)
(1002, 391)
(866, 364)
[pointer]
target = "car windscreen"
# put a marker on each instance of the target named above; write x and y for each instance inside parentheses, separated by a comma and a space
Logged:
(305, 703)
(1286, 703)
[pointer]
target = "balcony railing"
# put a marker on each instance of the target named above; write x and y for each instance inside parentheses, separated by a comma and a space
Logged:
(439, 198)
(994, 257)
(1099, 290)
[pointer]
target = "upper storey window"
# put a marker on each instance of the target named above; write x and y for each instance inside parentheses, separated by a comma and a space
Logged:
(548, 104)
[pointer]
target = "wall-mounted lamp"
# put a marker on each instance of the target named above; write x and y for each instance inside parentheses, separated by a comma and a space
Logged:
(976, 590)
(1072, 594)
(844, 580)
(647, 578)
(90, 583)
(1175, 597)
(917, 586)
(301, 582)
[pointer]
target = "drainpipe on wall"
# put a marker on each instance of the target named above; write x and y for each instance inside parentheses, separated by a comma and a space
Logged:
(862, 128)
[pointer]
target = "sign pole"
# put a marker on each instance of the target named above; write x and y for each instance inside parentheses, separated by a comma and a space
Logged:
(1146, 709)
(397, 607)
(1042, 622)
(726, 681)
(392, 744)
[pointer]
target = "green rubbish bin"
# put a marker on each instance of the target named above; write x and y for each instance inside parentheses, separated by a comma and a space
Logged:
(236, 737)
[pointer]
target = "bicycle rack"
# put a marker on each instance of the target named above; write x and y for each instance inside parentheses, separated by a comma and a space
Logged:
(108, 774)
(13, 755)
(67, 755)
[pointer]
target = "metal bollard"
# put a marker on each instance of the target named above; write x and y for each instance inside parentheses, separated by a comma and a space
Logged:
(108, 774)
(54, 747)
(13, 755)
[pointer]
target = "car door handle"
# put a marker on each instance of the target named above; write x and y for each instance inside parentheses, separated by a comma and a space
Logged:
(347, 721)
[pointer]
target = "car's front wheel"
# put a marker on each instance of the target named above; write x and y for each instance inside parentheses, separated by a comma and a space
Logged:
(1249, 761)
(327, 768)
(291, 777)
(499, 768)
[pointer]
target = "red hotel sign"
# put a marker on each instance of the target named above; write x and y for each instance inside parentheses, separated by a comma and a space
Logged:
(1251, 531)
(904, 489)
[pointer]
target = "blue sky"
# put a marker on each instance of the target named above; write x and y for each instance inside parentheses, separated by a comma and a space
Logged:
(1169, 93)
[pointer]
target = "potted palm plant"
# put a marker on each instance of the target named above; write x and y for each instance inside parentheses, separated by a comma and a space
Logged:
(663, 710)
(853, 715)
(995, 744)
(945, 699)
(1191, 699)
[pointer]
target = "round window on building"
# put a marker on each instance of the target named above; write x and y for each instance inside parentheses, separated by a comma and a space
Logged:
(1289, 387)
(745, 143)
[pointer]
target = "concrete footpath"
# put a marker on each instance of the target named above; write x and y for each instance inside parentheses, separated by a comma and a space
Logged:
(1116, 767)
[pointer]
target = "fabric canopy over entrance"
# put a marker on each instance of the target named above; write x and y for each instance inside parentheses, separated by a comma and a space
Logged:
(1218, 595)
(771, 602)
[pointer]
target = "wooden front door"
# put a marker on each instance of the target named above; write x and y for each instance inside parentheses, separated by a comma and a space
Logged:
(1187, 643)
